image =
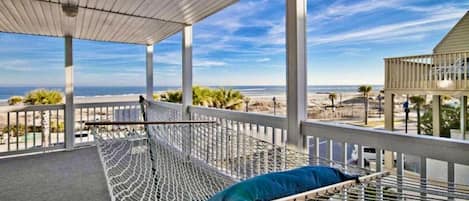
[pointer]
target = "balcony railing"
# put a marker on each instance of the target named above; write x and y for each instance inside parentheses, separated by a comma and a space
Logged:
(447, 71)
(32, 128)
(434, 166)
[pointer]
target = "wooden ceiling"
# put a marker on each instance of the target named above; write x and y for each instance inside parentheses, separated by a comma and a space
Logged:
(125, 21)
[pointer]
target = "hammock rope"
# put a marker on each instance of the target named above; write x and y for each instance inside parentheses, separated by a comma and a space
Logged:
(189, 161)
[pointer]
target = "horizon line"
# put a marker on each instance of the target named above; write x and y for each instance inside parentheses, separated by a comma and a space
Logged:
(231, 85)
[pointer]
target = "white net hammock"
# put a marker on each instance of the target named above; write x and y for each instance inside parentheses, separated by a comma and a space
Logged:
(174, 160)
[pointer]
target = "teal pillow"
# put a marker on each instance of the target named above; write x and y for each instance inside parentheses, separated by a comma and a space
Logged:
(281, 184)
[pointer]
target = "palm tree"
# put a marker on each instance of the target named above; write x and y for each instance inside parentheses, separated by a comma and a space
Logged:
(228, 99)
(43, 97)
(172, 96)
(365, 90)
(15, 100)
(332, 97)
(418, 101)
(220, 98)
(202, 96)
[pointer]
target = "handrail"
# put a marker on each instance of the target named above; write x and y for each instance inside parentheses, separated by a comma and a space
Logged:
(104, 123)
(23, 108)
(425, 55)
(175, 106)
(449, 150)
(104, 104)
(262, 119)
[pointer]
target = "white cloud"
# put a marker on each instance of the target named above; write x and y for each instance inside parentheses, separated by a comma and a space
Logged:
(16, 65)
(339, 10)
(231, 19)
(391, 31)
(266, 59)
(200, 63)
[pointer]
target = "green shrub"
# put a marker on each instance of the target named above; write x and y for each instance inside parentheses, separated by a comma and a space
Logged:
(15, 131)
(204, 96)
(156, 97)
(54, 127)
(450, 119)
(43, 97)
(15, 100)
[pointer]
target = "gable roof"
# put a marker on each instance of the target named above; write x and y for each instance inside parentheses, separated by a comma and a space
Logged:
(457, 39)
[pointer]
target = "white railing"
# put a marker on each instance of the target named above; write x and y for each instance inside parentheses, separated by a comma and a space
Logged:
(336, 143)
(32, 128)
(430, 152)
(267, 127)
(238, 144)
(251, 144)
(448, 71)
(244, 136)
(104, 111)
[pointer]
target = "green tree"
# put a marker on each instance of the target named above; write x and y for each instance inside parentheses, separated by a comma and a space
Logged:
(365, 91)
(228, 99)
(43, 97)
(332, 97)
(449, 120)
(156, 97)
(15, 100)
(172, 96)
(418, 101)
(204, 96)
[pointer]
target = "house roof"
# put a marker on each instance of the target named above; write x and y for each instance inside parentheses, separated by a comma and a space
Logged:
(135, 21)
(460, 26)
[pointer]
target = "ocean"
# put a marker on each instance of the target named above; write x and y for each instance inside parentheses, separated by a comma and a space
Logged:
(86, 91)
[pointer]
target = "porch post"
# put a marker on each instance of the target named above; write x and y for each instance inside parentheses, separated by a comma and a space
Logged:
(186, 70)
(69, 107)
(463, 116)
(388, 125)
(149, 71)
(296, 71)
(389, 111)
(436, 109)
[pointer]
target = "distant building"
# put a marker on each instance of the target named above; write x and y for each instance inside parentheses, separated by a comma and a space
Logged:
(445, 72)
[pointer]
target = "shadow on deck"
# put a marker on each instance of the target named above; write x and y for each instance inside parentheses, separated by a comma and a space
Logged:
(75, 175)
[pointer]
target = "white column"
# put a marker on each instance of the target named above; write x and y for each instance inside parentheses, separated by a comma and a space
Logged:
(296, 70)
(186, 69)
(149, 71)
(463, 116)
(69, 107)
(436, 107)
(388, 125)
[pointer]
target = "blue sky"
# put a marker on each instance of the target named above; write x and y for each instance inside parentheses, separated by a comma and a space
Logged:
(245, 45)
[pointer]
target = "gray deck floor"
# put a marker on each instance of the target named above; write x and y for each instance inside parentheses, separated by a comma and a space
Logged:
(60, 176)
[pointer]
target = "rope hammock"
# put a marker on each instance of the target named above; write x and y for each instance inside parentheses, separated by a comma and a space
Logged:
(169, 159)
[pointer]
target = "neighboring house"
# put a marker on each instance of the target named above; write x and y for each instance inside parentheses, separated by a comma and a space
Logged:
(457, 38)
(445, 72)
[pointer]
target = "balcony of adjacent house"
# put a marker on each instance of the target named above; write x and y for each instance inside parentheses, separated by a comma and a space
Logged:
(442, 73)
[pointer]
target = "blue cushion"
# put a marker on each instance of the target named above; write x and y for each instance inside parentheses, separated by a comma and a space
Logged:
(281, 184)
